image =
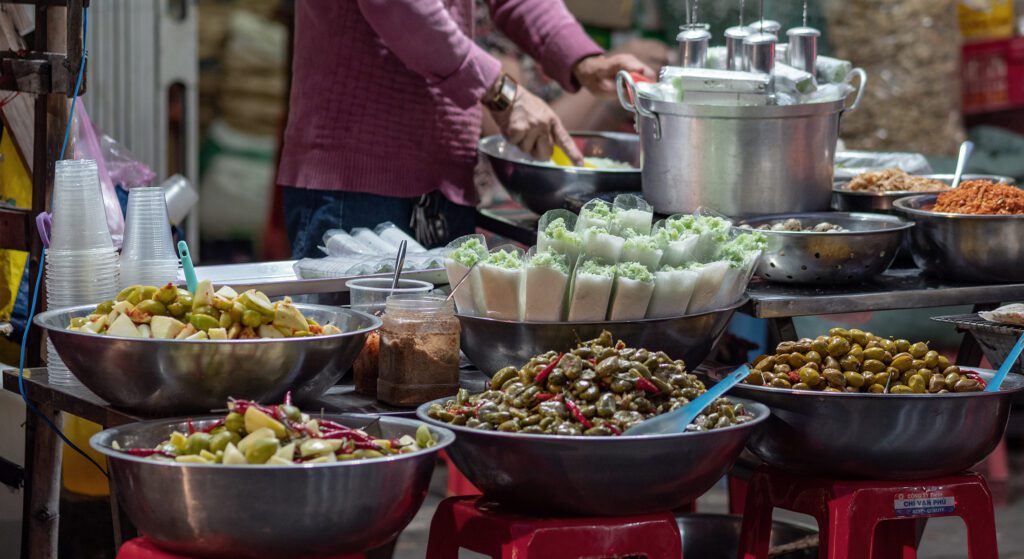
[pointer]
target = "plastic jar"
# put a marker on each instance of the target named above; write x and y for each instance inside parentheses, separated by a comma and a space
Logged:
(419, 350)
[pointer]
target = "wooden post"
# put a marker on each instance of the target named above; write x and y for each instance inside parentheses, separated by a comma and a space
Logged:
(41, 518)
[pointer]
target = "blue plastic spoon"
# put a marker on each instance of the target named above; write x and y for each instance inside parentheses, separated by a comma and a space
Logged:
(676, 421)
(186, 264)
(997, 380)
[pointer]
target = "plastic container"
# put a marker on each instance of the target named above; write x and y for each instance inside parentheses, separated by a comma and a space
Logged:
(180, 195)
(419, 350)
(79, 220)
(148, 256)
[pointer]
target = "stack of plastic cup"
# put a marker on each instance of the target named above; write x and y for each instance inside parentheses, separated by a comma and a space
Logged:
(147, 255)
(81, 263)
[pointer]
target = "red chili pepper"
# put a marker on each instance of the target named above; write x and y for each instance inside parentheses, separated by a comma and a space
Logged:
(613, 428)
(191, 428)
(543, 374)
(147, 452)
(793, 376)
(353, 435)
(213, 425)
(545, 396)
(575, 411)
(240, 406)
(977, 377)
(646, 385)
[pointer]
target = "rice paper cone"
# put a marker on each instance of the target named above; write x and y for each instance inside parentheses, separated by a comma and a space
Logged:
(598, 244)
(595, 213)
(462, 253)
(631, 213)
(673, 290)
(709, 283)
(591, 292)
(545, 287)
(501, 275)
(630, 299)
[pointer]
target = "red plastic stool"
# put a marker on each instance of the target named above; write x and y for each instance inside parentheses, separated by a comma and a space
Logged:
(458, 484)
(474, 524)
(868, 519)
(142, 548)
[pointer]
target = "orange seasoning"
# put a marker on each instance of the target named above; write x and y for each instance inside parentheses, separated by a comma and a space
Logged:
(981, 197)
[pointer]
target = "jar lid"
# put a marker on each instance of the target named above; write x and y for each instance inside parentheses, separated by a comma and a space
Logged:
(419, 302)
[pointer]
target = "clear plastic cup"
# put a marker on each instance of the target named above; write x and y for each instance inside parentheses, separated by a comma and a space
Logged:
(58, 373)
(180, 196)
(147, 230)
(148, 273)
(79, 218)
(370, 294)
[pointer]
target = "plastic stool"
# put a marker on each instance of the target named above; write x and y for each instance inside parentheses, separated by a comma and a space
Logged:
(142, 548)
(458, 484)
(868, 519)
(477, 525)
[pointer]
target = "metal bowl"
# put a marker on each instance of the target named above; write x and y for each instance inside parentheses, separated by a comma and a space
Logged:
(882, 202)
(166, 377)
(596, 476)
(214, 510)
(879, 436)
(493, 344)
(541, 186)
(866, 250)
(717, 536)
(961, 247)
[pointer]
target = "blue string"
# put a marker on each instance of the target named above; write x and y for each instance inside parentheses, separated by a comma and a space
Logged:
(42, 261)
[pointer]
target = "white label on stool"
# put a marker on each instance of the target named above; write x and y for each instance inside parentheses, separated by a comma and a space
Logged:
(923, 503)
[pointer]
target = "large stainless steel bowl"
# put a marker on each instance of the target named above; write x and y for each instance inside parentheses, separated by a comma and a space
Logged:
(596, 476)
(165, 377)
(844, 200)
(960, 247)
(269, 511)
(541, 186)
(879, 436)
(493, 344)
(866, 250)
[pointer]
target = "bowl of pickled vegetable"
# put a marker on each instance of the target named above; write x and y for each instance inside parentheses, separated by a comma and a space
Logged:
(165, 351)
(853, 404)
(547, 436)
(271, 481)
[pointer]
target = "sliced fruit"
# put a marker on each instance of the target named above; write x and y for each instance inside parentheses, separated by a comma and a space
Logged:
(139, 316)
(124, 327)
(234, 331)
(165, 327)
(96, 326)
(217, 333)
(256, 301)
(204, 322)
(268, 331)
(204, 294)
(262, 433)
(288, 317)
(331, 329)
(256, 420)
(167, 294)
(145, 331)
(186, 332)
(232, 455)
(122, 307)
(198, 336)
(226, 292)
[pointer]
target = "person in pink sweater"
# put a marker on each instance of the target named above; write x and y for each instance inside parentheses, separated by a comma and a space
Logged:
(385, 109)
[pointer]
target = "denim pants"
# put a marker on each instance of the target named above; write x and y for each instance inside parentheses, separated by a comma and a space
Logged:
(309, 213)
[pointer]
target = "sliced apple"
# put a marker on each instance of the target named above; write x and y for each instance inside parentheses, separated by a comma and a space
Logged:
(165, 327)
(139, 316)
(217, 333)
(234, 331)
(96, 325)
(145, 330)
(227, 293)
(256, 420)
(204, 295)
(268, 331)
(198, 336)
(256, 301)
(232, 455)
(124, 327)
(288, 317)
(186, 332)
(122, 307)
(331, 329)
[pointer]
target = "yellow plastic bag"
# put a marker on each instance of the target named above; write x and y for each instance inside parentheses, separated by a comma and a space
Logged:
(15, 190)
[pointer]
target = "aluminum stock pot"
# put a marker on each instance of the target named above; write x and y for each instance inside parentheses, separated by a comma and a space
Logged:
(737, 160)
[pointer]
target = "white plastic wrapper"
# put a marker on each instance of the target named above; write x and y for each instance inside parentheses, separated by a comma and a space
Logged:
(643, 249)
(673, 289)
(680, 251)
(631, 213)
(556, 232)
(339, 243)
(329, 267)
(709, 283)
(501, 275)
(1007, 314)
(595, 213)
(832, 70)
(794, 80)
(370, 239)
(634, 285)
(393, 235)
(599, 244)
(545, 287)
(591, 291)
(463, 253)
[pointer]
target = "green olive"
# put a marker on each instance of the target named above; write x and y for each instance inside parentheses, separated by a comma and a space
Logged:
(207, 310)
(857, 352)
(855, 380)
(796, 360)
(291, 412)
(835, 378)
(902, 363)
(918, 350)
(153, 307)
(234, 422)
(204, 322)
(132, 291)
(876, 388)
(225, 320)
(917, 384)
(931, 359)
(887, 345)
(197, 442)
(801, 386)
(260, 451)
(780, 383)
(951, 369)
(813, 356)
(840, 332)
(166, 294)
(873, 366)
(917, 364)
(943, 363)
(829, 363)
(967, 385)
(882, 378)
(756, 377)
(809, 376)
(952, 379)
(902, 345)
(820, 346)
(858, 336)
(147, 291)
(105, 307)
(177, 310)
(875, 353)
(848, 363)
(831, 389)
(782, 369)
(838, 346)
(900, 389)
(936, 384)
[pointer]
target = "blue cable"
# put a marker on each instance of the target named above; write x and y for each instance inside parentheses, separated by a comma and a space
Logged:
(42, 262)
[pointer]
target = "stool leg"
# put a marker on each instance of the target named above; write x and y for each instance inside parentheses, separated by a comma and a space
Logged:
(737, 494)
(755, 537)
(981, 528)
(443, 542)
(895, 539)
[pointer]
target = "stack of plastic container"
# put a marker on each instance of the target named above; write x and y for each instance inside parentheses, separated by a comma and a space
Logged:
(147, 256)
(81, 263)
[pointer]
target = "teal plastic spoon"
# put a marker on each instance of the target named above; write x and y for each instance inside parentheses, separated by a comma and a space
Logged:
(676, 421)
(186, 263)
(1004, 369)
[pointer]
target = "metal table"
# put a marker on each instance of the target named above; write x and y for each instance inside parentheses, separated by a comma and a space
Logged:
(43, 450)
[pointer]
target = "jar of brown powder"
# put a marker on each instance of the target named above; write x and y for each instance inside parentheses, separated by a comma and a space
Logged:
(419, 350)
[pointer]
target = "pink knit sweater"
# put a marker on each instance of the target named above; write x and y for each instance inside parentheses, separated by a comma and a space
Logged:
(385, 93)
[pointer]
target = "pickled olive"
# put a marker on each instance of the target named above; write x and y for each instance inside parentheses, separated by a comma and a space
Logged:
(809, 376)
(848, 363)
(129, 292)
(841, 333)
(858, 337)
(803, 346)
(873, 366)
(220, 441)
(882, 378)
(204, 322)
(887, 345)
(835, 378)
(917, 384)
(781, 369)
(902, 363)
(856, 352)
(876, 388)
(874, 353)
(931, 359)
(952, 369)
(813, 357)
(234, 422)
(943, 363)
(801, 386)
(831, 389)
(902, 346)
(785, 347)
(918, 350)
(967, 385)
(760, 360)
(197, 442)
(830, 363)
(820, 346)
(756, 377)
(917, 364)
(854, 380)
(838, 346)
(780, 383)
(796, 360)
(177, 310)
(900, 389)
(105, 307)
(936, 383)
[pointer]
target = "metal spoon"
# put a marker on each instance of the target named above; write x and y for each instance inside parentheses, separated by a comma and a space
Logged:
(461, 281)
(966, 149)
(676, 421)
(399, 262)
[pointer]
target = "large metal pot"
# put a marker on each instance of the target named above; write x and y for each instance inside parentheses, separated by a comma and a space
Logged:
(737, 160)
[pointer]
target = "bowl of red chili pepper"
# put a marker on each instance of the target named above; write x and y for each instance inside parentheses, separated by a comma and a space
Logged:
(973, 233)
(271, 482)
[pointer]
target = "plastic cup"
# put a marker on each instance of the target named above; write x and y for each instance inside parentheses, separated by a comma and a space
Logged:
(147, 231)
(370, 294)
(79, 218)
(180, 196)
(146, 273)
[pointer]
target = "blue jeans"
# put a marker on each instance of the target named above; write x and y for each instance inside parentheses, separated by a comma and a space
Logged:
(309, 213)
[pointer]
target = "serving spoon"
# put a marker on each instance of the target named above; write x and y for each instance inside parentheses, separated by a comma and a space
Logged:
(966, 149)
(676, 421)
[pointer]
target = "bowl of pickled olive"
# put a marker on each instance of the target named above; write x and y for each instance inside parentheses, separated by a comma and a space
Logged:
(873, 408)
(547, 436)
(336, 484)
(857, 361)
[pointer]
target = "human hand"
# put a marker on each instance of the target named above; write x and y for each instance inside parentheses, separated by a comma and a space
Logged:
(651, 52)
(597, 73)
(533, 127)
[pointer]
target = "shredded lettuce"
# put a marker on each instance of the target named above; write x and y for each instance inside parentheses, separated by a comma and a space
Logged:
(595, 268)
(508, 259)
(557, 231)
(754, 240)
(469, 252)
(640, 242)
(550, 259)
(598, 210)
(635, 271)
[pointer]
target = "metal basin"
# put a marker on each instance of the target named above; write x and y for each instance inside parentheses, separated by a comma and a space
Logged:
(269, 511)
(493, 344)
(960, 247)
(540, 186)
(596, 476)
(866, 250)
(165, 377)
(879, 436)
(882, 202)
(717, 536)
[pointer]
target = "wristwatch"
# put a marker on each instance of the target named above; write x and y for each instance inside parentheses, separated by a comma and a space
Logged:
(505, 95)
